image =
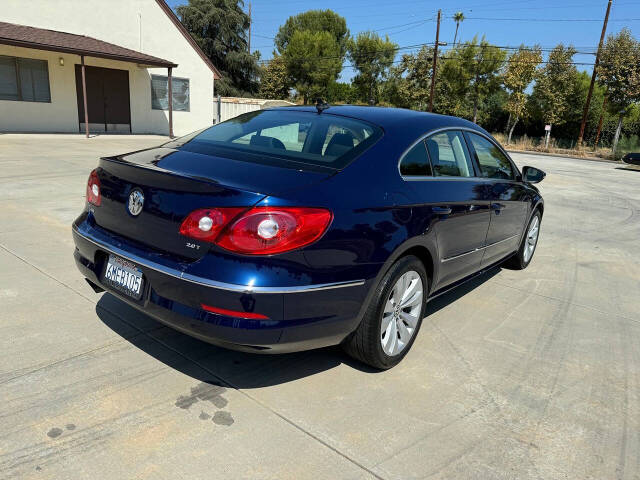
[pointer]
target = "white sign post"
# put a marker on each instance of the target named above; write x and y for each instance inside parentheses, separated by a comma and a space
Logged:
(547, 130)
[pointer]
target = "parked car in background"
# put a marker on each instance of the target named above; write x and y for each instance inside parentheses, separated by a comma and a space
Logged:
(632, 158)
(298, 228)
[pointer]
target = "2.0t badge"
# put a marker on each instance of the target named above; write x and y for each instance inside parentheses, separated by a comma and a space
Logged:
(136, 200)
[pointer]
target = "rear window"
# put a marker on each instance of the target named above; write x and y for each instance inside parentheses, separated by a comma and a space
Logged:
(297, 138)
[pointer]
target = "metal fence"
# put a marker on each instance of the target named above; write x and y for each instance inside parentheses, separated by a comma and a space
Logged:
(229, 107)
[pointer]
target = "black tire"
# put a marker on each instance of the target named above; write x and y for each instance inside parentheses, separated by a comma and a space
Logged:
(518, 262)
(364, 344)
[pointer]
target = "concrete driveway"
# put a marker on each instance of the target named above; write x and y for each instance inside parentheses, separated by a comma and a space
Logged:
(531, 374)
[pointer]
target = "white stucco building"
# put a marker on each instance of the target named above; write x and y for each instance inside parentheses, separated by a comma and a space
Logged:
(130, 49)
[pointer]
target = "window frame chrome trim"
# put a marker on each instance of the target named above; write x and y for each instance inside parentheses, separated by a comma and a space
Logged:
(214, 283)
(444, 177)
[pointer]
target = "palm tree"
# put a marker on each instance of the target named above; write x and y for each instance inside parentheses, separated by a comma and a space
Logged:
(458, 17)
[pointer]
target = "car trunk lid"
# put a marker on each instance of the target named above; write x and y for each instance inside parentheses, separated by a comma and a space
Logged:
(174, 183)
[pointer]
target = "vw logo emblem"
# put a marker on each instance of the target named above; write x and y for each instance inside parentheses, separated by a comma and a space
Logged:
(136, 200)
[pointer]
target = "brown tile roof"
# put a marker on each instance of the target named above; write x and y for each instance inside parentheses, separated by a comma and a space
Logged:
(42, 39)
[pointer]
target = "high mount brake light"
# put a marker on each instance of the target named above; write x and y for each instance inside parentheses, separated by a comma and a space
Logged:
(94, 196)
(259, 230)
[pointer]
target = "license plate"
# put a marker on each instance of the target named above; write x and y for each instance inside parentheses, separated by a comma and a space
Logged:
(124, 276)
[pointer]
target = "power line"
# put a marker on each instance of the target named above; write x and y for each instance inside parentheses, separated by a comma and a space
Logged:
(427, 44)
(551, 19)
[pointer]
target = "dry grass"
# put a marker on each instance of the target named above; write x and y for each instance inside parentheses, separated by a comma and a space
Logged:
(529, 144)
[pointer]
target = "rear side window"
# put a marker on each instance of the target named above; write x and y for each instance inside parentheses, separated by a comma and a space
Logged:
(306, 138)
(493, 163)
(416, 162)
(449, 155)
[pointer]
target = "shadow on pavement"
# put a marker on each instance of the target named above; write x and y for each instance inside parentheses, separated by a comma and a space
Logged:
(451, 296)
(629, 169)
(218, 366)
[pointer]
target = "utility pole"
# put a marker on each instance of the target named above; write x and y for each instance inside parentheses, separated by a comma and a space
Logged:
(435, 63)
(593, 76)
(249, 43)
(604, 105)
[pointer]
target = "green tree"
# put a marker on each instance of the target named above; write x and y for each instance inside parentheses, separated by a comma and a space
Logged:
(455, 81)
(458, 17)
(553, 86)
(274, 80)
(340, 92)
(470, 73)
(410, 81)
(488, 60)
(372, 56)
(314, 21)
(313, 46)
(619, 71)
(520, 72)
(220, 29)
(312, 62)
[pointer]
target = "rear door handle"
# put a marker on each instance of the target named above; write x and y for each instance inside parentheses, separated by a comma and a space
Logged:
(441, 210)
(497, 206)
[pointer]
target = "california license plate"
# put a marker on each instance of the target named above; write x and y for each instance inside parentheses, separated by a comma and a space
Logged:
(124, 276)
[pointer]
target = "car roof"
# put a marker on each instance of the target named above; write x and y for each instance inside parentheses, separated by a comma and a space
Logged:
(391, 118)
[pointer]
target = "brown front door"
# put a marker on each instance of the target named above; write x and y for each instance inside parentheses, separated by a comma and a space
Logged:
(107, 99)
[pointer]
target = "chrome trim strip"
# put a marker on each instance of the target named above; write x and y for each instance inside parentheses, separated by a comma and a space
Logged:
(503, 240)
(448, 259)
(213, 283)
(479, 248)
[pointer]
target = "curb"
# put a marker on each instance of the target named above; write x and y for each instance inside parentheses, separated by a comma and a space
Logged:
(560, 155)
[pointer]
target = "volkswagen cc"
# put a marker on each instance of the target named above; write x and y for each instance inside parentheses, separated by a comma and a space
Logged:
(304, 227)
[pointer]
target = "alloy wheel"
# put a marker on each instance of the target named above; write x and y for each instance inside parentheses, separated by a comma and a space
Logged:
(532, 238)
(401, 313)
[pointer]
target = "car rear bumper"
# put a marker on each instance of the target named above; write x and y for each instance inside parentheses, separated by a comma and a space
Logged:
(300, 317)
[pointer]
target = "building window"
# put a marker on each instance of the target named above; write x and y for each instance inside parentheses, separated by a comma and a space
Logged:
(24, 79)
(159, 98)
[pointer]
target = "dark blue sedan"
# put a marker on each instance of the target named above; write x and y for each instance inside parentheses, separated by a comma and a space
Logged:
(303, 227)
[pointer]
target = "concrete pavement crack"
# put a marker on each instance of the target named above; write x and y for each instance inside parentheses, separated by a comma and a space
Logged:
(556, 299)
(11, 252)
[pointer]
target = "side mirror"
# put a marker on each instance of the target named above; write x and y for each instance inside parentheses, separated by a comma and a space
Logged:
(532, 175)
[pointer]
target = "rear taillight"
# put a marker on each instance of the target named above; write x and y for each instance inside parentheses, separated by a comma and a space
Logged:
(266, 230)
(259, 230)
(206, 223)
(94, 195)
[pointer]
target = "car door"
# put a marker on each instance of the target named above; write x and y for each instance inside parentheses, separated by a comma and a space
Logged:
(441, 173)
(506, 195)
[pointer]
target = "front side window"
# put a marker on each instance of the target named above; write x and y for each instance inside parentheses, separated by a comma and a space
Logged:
(493, 163)
(159, 88)
(416, 162)
(24, 79)
(273, 136)
(449, 155)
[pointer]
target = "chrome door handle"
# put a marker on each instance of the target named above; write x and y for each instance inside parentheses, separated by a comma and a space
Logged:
(441, 210)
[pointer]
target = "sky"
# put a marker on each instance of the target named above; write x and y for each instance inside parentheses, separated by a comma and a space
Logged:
(410, 23)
